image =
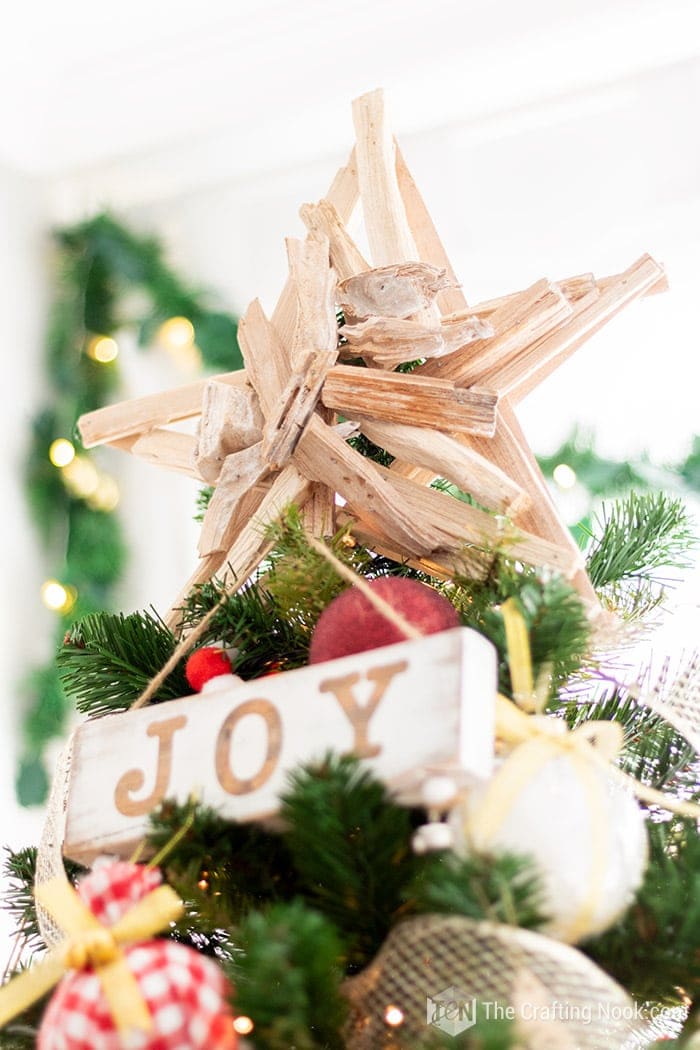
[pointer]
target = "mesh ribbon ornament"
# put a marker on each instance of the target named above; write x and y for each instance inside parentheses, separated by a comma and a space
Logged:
(116, 987)
(559, 998)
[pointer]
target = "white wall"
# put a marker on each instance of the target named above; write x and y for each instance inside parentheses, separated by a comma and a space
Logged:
(25, 630)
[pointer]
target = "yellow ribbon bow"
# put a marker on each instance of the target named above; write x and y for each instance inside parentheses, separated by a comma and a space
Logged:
(594, 742)
(90, 944)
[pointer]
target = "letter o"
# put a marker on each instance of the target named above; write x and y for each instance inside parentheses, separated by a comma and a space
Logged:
(232, 784)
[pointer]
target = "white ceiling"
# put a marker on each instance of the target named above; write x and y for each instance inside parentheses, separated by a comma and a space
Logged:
(235, 87)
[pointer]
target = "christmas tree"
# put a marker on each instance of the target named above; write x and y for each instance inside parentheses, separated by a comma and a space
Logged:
(414, 804)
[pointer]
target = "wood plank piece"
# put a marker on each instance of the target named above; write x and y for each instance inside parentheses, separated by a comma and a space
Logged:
(389, 235)
(346, 257)
(240, 472)
(399, 290)
(364, 393)
(429, 246)
(266, 359)
(231, 420)
(520, 321)
(456, 524)
(163, 448)
(389, 341)
(343, 195)
(445, 457)
(108, 424)
(297, 403)
(323, 456)
(509, 450)
(519, 377)
(470, 562)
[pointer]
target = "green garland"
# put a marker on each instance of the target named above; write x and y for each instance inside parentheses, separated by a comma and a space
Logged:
(100, 267)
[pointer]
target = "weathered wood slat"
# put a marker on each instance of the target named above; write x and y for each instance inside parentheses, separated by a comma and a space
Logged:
(163, 448)
(517, 377)
(444, 456)
(390, 341)
(323, 456)
(240, 472)
(509, 450)
(346, 257)
(237, 745)
(231, 420)
(343, 195)
(387, 227)
(266, 359)
(399, 290)
(364, 393)
(297, 403)
(457, 524)
(428, 243)
(519, 322)
(143, 413)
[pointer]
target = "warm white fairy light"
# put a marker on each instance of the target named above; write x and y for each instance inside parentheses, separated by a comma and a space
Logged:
(106, 495)
(81, 477)
(564, 476)
(393, 1016)
(103, 349)
(243, 1025)
(61, 452)
(176, 333)
(56, 597)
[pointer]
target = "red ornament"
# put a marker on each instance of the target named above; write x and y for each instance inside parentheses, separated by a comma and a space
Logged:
(351, 624)
(204, 664)
(185, 992)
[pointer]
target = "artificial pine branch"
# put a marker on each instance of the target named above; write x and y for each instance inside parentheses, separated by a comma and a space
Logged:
(108, 659)
(636, 537)
(654, 752)
(287, 978)
(19, 870)
(351, 846)
(558, 627)
(251, 624)
(221, 869)
(500, 888)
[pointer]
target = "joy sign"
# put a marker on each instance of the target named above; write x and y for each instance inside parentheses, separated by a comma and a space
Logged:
(409, 710)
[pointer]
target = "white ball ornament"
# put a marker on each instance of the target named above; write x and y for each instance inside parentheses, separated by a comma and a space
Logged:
(433, 836)
(584, 830)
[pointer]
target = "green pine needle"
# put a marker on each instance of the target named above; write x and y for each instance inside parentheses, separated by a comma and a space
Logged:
(108, 659)
(287, 979)
(634, 539)
(501, 888)
(351, 845)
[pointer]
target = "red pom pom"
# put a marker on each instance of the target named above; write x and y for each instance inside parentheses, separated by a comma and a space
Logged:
(204, 664)
(351, 624)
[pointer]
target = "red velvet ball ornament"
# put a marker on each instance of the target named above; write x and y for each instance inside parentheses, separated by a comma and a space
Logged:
(351, 624)
(204, 664)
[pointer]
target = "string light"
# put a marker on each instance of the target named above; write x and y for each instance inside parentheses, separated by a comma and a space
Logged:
(393, 1016)
(103, 349)
(106, 495)
(243, 1025)
(81, 477)
(61, 452)
(564, 476)
(56, 597)
(176, 333)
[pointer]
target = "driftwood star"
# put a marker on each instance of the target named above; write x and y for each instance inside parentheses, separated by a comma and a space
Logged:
(269, 435)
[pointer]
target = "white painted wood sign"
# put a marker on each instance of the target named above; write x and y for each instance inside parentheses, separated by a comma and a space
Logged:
(409, 710)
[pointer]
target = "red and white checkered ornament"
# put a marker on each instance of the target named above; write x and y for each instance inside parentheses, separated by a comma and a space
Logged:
(185, 992)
